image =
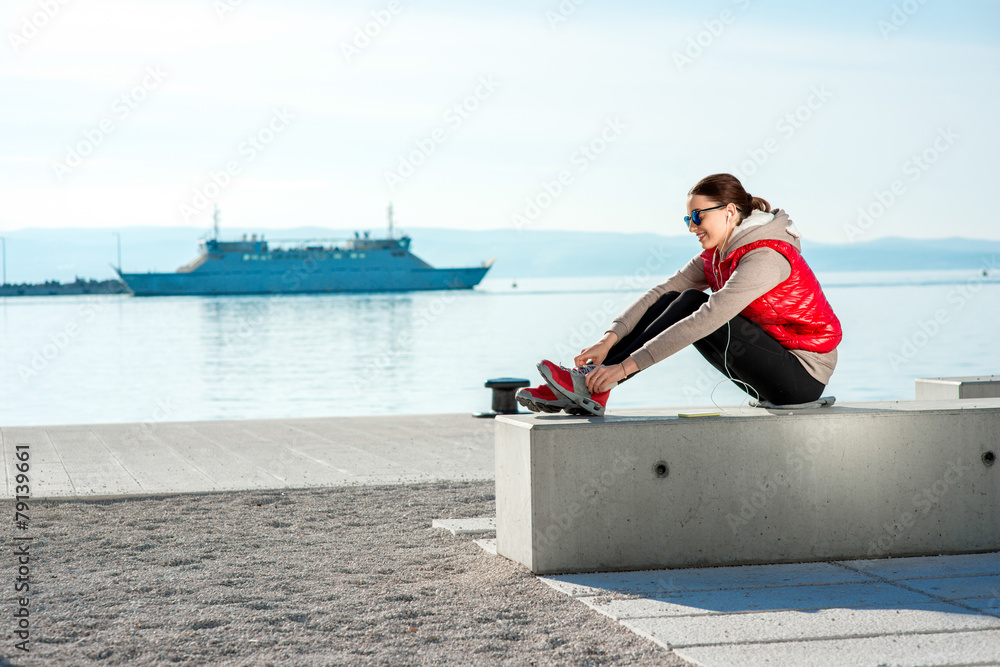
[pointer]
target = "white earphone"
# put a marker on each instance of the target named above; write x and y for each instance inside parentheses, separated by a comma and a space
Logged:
(716, 266)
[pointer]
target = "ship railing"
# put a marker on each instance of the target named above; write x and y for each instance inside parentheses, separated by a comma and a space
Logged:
(337, 244)
(194, 264)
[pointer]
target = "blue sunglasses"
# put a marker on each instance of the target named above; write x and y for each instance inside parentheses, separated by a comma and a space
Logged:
(695, 216)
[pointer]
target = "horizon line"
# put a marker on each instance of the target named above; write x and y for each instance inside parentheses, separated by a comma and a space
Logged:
(251, 230)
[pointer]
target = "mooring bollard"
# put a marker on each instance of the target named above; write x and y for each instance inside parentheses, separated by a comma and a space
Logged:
(504, 402)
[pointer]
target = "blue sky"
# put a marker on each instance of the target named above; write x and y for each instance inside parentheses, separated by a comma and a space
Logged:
(862, 120)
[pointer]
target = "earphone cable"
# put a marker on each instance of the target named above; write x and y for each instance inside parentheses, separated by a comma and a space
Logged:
(716, 266)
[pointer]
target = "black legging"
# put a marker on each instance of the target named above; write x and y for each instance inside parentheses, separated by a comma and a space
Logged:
(754, 357)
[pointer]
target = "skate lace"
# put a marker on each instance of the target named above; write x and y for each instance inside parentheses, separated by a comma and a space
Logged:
(583, 370)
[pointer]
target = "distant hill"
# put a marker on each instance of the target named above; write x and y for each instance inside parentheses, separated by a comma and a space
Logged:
(899, 254)
(37, 255)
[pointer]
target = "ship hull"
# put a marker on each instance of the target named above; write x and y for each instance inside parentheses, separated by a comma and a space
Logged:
(302, 280)
(350, 265)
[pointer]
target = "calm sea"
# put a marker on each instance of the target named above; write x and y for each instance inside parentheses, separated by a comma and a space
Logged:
(103, 359)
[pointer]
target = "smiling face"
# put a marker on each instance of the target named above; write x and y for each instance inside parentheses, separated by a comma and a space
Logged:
(714, 226)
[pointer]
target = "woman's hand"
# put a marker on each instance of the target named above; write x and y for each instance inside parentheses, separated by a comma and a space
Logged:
(597, 352)
(603, 376)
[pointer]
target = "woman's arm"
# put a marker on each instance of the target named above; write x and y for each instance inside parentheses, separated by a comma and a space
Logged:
(692, 276)
(759, 272)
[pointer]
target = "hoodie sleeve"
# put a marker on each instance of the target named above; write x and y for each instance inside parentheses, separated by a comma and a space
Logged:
(759, 272)
(692, 276)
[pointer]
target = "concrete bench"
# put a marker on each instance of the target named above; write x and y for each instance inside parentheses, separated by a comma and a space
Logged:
(648, 489)
(975, 386)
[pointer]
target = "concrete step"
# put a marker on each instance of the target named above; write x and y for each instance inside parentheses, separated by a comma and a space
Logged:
(943, 389)
(469, 526)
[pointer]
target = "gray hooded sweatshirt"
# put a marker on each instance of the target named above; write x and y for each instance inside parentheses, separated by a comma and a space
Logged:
(758, 272)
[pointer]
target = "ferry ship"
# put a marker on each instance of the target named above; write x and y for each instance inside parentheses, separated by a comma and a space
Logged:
(303, 266)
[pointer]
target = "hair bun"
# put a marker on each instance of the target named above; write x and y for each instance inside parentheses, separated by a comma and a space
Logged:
(726, 189)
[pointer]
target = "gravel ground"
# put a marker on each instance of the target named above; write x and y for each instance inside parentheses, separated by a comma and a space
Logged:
(304, 577)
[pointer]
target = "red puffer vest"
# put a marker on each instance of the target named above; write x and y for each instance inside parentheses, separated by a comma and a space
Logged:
(795, 313)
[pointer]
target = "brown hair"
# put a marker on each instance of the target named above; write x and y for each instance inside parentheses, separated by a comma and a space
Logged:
(727, 189)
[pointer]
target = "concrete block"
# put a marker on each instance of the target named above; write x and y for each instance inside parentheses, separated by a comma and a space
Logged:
(470, 526)
(665, 582)
(488, 545)
(928, 567)
(736, 600)
(944, 648)
(944, 389)
(854, 481)
(778, 626)
(950, 588)
(988, 605)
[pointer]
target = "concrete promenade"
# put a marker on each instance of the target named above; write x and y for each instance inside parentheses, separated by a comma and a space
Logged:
(940, 610)
(117, 460)
(924, 611)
